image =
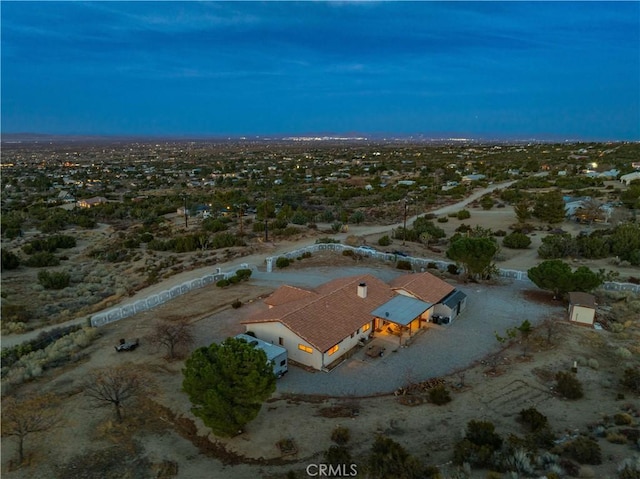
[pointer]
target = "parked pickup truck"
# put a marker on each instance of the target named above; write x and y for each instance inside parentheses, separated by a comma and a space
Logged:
(127, 345)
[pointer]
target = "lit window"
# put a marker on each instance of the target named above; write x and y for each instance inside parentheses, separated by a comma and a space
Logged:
(304, 348)
(366, 327)
(333, 350)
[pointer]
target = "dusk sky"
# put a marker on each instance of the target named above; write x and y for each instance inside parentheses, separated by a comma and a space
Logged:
(522, 70)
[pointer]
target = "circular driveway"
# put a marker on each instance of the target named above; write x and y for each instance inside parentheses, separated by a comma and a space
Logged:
(435, 351)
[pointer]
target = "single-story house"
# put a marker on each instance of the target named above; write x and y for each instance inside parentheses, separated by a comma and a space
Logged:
(582, 308)
(629, 177)
(90, 202)
(319, 326)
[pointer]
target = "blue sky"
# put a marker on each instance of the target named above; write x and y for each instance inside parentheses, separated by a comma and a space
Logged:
(547, 70)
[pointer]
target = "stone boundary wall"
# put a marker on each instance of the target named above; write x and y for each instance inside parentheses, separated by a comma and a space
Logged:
(124, 311)
(421, 263)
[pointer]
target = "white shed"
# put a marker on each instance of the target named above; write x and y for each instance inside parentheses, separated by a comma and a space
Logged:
(582, 308)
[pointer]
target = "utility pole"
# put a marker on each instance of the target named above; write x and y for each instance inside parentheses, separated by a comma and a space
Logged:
(186, 213)
(404, 229)
(266, 220)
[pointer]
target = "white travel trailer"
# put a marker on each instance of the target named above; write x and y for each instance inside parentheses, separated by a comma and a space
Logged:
(276, 355)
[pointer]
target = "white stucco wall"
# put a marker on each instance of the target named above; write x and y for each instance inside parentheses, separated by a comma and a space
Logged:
(273, 331)
(582, 315)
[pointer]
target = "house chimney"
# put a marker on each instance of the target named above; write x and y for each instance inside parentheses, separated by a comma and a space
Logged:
(362, 290)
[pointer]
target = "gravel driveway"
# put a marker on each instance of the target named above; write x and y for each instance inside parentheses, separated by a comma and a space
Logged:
(436, 351)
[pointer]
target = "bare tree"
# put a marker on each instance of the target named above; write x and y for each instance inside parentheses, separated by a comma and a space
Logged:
(23, 417)
(115, 386)
(176, 336)
(550, 326)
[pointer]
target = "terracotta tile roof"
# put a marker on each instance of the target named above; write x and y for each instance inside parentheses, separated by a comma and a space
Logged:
(424, 286)
(286, 294)
(334, 312)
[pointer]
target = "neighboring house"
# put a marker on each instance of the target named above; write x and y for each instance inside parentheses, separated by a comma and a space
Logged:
(582, 308)
(628, 178)
(318, 327)
(91, 202)
(474, 177)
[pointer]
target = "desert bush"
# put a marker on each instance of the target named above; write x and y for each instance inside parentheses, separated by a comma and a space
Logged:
(629, 468)
(452, 269)
(443, 219)
(54, 280)
(236, 304)
(623, 353)
(244, 274)
(348, 252)
(222, 283)
(516, 241)
(340, 435)
(234, 279)
(282, 262)
(631, 379)
(10, 260)
(463, 214)
(518, 462)
(616, 438)
(432, 265)
(42, 259)
(593, 364)
(622, 419)
(439, 395)
(568, 385)
(384, 241)
(404, 265)
(337, 456)
(584, 450)
(533, 419)
(479, 444)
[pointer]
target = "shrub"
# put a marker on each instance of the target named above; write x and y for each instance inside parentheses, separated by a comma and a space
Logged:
(384, 241)
(282, 262)
(616, 438)
(463, 214)
(500, 233)
(348, 252)
(243, 274)
(443, 219)
(432, 265)
(236, 304)
(10, 260)
(622, 419)
(42, 259)
(439, 395)
(306, 254)
(222, 283)
(404, 265)
(234, 280)
(533, 419)
(568, 385)
(452, 269)
(516, 241)
(631, 379)
(584, 450)
(54, 280)
(340, 435)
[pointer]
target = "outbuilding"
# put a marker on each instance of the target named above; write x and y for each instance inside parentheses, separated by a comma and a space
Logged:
(582, 308)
